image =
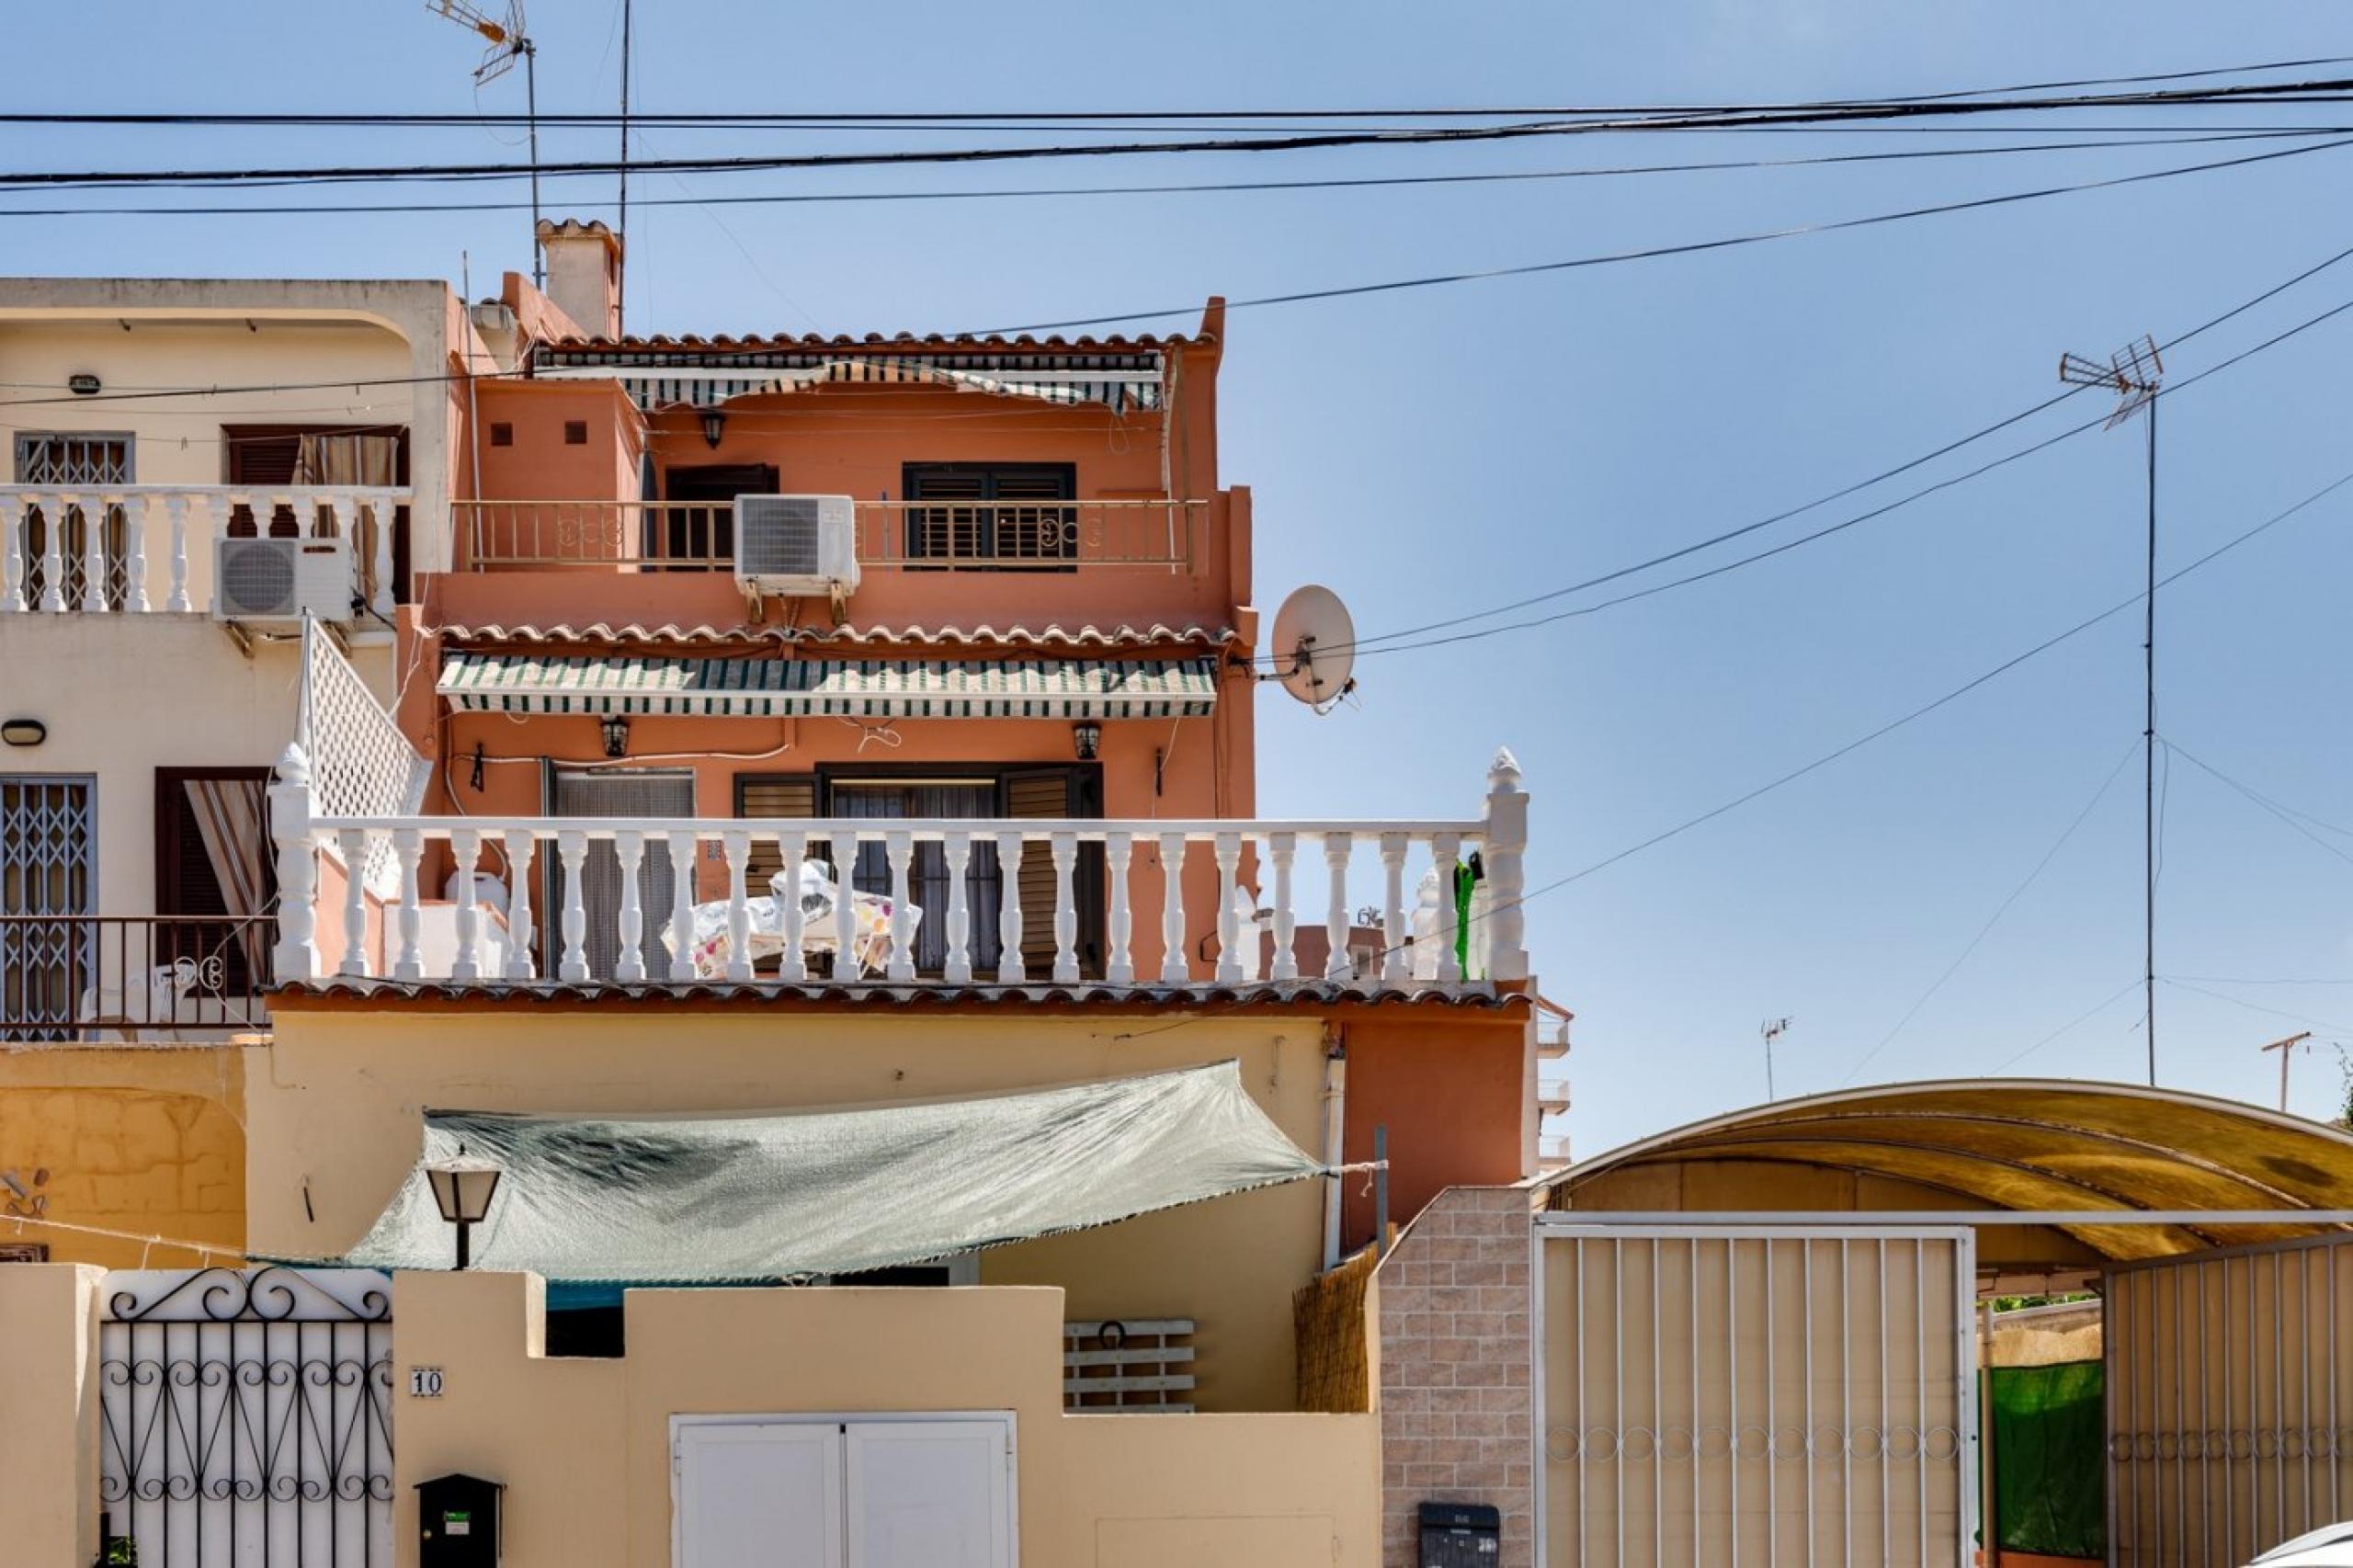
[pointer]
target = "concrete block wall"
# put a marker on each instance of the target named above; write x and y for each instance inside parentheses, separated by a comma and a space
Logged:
(1457, 1411)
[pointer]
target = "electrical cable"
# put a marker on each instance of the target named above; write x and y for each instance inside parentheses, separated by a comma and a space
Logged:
(1212, 187)
(2264, 802)
(2258, 1007)
(1995, 918)
(2115, 996)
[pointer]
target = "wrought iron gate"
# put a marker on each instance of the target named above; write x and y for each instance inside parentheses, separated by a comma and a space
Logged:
(245, 1416)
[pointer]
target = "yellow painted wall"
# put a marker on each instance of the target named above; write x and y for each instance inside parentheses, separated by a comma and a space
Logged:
(48, 1438)
(583, 1446)
(339, 1115)
(145, 1140)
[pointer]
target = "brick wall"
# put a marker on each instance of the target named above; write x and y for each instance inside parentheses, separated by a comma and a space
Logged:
(1456, 1408)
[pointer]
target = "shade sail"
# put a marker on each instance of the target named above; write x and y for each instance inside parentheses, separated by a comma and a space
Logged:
(681, 1199)
(848, 689)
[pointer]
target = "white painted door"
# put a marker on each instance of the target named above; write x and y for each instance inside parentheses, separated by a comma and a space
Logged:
(762, 1494)
(784, 1493)
(929, 1494)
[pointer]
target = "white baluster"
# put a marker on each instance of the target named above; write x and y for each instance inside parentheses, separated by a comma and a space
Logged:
(296, 955)
(12, 555)
(737, 846)
(1395, 970)
(629, 848)
(465, 848)
(1282, 848)
(845, 965)
(572, 846)
(1065, 853)
(1506, 844)
(134, 554)
(1010, 969)
(1444, 849)
(353, 841)
(1174, 970)
(94, 553)
(1336, 850)
(53, 552)
(176, 508)
(1119, 966)
(520, 846)
(899, 849)
(956, 853)
(1228, 849)
(682, 905)
(408, 846)
(379, 513)
(793, 965)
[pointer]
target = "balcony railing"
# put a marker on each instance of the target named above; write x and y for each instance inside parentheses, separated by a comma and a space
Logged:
(131, 549)
(911, 535)
(1123, 903)
(129, 979)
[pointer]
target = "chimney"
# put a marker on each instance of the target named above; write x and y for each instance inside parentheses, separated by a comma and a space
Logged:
(584, 273)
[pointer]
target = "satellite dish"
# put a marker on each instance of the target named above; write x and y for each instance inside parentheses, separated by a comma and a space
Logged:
(1314, 646)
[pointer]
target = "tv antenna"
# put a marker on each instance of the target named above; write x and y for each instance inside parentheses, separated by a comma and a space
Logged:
(1771, 1029)
(2287, 1050)
(508, 42)
(1314, 647)
(2133, 373)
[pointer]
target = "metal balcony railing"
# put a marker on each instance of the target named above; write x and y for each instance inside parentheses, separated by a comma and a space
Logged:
(128, 978)
(909, 536)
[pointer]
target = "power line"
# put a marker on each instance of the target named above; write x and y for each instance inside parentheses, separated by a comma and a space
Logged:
(1198, 187)
(2081, 1018)
(2324, 91)
(2264, 802)
(1995, 918)
(2180, 985)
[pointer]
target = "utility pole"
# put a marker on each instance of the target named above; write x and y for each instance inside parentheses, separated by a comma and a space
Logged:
(1772, 1029)
(2133, 374)
(2287, 1050)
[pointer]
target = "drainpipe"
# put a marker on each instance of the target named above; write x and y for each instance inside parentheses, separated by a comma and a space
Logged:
(1336, 1083)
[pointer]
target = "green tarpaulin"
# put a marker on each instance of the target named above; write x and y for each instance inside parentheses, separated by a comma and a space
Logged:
(2049, 1432)
(679, 1200)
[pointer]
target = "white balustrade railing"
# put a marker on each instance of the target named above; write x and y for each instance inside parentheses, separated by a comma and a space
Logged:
(1082, 857)
(131, 548)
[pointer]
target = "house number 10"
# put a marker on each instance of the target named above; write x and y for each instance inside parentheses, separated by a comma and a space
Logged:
(425, 1382)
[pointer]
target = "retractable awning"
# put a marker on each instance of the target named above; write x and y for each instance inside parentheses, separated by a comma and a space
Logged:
(695, 1200)
(848, 689)
(1120, 381)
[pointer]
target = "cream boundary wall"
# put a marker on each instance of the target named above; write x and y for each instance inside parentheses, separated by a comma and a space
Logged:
(583, 1446)
(48, 1439)
(334, 1118)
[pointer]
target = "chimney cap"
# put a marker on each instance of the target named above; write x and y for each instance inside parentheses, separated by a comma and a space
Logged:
(576, 229)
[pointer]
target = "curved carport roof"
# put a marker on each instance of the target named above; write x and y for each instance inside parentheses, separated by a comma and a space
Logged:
(2039, 1146)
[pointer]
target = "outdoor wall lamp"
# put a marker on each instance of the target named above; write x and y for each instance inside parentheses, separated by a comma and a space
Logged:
(714, 425)
(616, 735)
(1087, 736)
(24, 731)
(461, 1190)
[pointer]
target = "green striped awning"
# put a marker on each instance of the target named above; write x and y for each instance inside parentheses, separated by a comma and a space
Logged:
(848, 689)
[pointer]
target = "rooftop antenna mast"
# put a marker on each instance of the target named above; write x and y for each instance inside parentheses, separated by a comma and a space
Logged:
(509, 41)
(2133, 373)
(1772, 1029)
(2286, 1048)
(620, 221)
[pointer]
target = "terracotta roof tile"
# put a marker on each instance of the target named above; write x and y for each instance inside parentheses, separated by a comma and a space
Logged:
(603, 632)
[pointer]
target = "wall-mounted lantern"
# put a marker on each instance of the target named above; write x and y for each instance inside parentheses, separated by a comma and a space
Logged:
(461, 1190)
(714, 425)
(83, 385)
(23, 731)
(1086, 737)
(616, 735)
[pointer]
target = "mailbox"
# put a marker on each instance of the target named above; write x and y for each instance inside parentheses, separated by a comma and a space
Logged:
(1461, 1535)
(458, 1522)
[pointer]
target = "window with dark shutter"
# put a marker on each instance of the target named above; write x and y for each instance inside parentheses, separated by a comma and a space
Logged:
(1057, 792)
(771, 796)
(993, 518)
(267, 456)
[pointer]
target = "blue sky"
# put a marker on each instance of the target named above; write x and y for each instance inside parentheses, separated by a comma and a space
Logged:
(1429, 453)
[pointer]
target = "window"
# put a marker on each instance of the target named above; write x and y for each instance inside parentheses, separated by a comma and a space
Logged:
(69, 461)
(576, 432)
(278, 456)
(502, 434)
(993, 518)
(216, 877)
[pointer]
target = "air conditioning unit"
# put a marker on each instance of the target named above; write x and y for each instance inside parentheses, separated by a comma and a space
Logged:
(282, 579)
(797, 545)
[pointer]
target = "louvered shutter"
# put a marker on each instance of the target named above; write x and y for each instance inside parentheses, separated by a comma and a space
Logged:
(772, 795)
(1056, 792)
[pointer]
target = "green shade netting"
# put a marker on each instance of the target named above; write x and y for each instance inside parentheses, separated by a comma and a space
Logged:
(2049, 1432)
(686, 1199)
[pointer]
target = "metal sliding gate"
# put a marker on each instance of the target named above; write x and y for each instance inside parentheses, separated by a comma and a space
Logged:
(1722, 1395)
(245, 1416)
(2230, 1402)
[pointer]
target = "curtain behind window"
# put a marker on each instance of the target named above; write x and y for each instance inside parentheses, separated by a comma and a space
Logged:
(230, 820)
(371, 460)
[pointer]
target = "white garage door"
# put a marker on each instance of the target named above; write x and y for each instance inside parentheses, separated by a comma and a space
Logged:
(784, 1493)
